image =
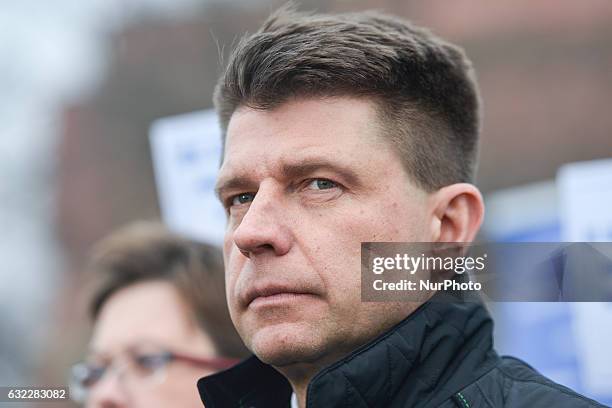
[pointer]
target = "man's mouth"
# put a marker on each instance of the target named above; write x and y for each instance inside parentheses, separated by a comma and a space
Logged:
(274, 295)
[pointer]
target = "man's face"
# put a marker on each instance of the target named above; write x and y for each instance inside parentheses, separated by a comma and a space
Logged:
(304, 185)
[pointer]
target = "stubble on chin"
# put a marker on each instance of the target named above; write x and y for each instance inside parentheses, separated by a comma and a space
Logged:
(288, 344)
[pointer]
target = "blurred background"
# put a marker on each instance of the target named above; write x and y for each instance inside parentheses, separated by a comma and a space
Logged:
(82, 82)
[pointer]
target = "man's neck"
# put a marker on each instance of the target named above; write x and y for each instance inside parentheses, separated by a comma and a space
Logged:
(300, 392)
(299, 378)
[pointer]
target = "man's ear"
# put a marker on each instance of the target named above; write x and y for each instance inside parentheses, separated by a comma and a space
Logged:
(457, 212)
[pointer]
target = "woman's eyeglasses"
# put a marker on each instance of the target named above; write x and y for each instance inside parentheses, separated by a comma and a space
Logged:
(138, 367)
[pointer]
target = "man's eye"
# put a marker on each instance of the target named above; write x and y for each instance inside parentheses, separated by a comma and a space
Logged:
(242, 198)
(322, 184)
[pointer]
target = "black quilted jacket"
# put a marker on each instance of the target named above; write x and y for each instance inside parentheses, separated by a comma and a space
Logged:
(440, 356)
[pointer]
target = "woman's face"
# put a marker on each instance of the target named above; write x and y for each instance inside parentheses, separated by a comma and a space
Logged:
(136, 329)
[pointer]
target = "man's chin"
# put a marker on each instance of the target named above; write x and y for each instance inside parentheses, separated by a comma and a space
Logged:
(286, 344)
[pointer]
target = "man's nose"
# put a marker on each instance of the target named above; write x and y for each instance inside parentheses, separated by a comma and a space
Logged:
(265, 228)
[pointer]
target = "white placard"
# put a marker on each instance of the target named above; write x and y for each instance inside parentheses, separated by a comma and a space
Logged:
(186, 151)
(585, 193)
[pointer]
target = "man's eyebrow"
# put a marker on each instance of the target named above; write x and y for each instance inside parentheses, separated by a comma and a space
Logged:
(307, 167)
(289, 170)
(239, 182)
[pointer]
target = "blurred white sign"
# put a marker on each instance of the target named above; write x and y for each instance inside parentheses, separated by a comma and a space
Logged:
(186, 151)
(585, 192)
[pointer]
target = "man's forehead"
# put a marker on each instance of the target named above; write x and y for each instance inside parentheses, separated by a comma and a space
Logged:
(302, 116)
(299, 124)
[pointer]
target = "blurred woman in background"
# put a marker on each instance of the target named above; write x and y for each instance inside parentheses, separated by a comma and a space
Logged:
(160, 321)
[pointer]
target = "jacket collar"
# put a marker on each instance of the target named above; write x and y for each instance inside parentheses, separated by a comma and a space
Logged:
(432, 354)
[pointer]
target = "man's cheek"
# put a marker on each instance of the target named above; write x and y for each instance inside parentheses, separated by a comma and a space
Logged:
(238, 317)
(232, 282)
